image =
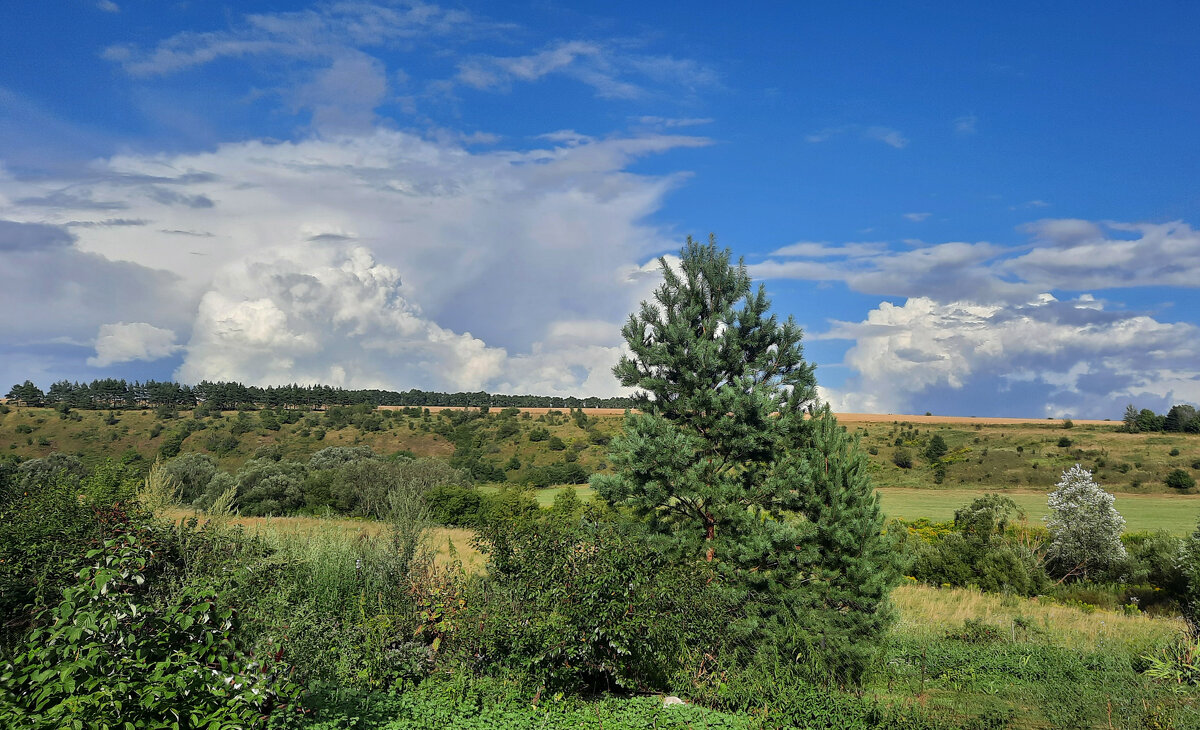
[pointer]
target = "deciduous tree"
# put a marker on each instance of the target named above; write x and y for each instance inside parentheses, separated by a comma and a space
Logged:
(1085, 527)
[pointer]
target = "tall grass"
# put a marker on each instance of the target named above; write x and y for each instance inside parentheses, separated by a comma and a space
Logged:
(927, 613)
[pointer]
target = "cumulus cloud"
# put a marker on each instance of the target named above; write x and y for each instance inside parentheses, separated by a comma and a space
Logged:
(123, 342)
(316, 314)
(1057, 358)
(51, 290)
(520, 249)
(977, 320)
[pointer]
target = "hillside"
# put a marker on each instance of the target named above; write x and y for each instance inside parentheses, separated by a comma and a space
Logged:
(546, 446)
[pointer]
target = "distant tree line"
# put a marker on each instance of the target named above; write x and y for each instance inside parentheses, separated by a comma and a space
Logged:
(1180, 419)
(111, 393)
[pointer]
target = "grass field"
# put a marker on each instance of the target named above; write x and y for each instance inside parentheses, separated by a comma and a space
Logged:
(447, 543)
(1177, 514)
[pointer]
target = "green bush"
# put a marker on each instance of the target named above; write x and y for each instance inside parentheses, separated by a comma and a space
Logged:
(1180, 479)
(108, 656)
(450, 504)
(902, 458)
(587, 604)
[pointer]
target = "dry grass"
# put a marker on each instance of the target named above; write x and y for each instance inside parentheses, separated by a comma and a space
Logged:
(928, 612)
(448, 543)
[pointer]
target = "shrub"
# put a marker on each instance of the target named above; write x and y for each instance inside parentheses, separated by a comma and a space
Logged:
(192, 472)
(902, 458)
(1180, 479)
(586, 605)
(936, 448)
(450, 504)
(1064, 443)
(975, 631)
(107, 656)
(1174, 452)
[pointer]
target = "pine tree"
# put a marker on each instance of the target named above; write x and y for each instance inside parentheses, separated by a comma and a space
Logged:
(721, 461)
(693, 459)
(1085, 527)
(1130, 420)
(842, 607)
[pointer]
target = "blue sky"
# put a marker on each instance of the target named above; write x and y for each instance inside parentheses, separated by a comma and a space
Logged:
(972, 210)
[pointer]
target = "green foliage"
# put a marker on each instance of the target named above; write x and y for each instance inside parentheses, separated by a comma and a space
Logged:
(192, 472)
(1180, 479)
(902, 458)
(721, 459)
(451, 504)
(975, 631)
(1178, 663)
(1189, 566)
(107, 656)
(979, 552)
(585, 604)
(936, 448)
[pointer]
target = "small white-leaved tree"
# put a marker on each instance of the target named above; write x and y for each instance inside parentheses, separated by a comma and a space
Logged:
(1085, 527)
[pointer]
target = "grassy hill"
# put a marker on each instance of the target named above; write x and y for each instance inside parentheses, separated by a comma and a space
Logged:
(553, 446)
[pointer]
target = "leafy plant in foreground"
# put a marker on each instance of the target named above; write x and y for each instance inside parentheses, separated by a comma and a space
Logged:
(107, 657)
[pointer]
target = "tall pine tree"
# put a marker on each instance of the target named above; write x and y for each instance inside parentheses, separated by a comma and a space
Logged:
(723, 462)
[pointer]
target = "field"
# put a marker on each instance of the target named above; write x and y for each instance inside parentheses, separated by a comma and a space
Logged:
(1177, 514)
(985, 454)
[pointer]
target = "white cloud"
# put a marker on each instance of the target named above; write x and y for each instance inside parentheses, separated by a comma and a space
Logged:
(821, 249)
(965, 124)
(326, 31)
(123, 342)
(613, 73)
(1076, 254)
(947, 271)
(917, 217)
(1056, 358)
(517, 248)
(343, 96)
(108, 6)
(889, 137)
(314, 313)
(673, 122)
